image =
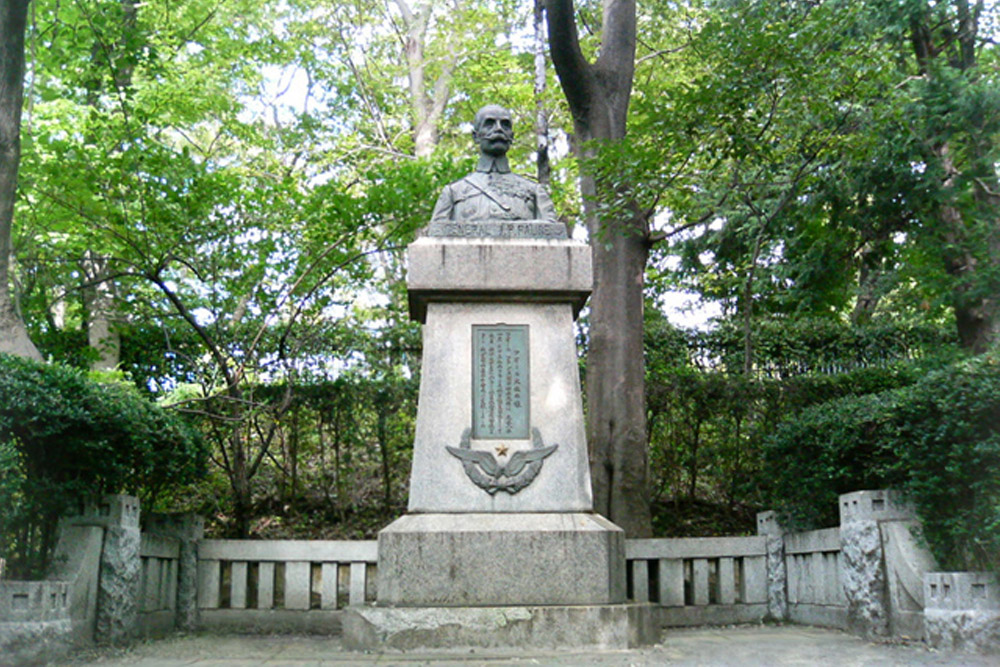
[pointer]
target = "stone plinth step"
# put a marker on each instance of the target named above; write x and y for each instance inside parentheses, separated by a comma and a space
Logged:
(582, 627)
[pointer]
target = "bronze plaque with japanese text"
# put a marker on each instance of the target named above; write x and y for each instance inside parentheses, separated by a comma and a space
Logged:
(500, 393)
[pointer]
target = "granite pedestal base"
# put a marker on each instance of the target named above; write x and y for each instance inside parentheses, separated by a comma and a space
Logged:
(484, 559)
(469, 384)
(582, 627)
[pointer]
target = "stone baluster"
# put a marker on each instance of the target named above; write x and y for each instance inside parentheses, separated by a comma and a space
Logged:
(189, 529)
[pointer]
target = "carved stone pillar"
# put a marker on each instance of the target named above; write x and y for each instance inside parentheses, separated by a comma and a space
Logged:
(121, 571)
(882, 564)
(777, 576)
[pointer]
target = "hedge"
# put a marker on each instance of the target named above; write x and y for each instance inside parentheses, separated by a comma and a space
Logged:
(65, 438)
(937, 440)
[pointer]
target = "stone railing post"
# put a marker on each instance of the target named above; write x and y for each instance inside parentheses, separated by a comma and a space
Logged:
(963, 611)
(121, 570)
(77, 560)
(883, 564)
(777, 574)
(189, 529)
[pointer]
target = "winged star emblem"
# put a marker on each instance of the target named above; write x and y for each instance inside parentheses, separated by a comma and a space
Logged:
(490, 475)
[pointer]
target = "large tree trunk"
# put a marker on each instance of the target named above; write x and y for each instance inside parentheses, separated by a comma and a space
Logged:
(977, 317)
(598, 96)
(977, 309)
(13, 20)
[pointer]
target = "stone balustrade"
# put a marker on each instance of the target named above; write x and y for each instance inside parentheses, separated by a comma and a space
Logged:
(698, 581)
(282, 584)
(160, 558)
(858, 576)
(815, 593)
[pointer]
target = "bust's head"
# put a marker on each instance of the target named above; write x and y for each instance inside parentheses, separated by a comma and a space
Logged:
(492, 130)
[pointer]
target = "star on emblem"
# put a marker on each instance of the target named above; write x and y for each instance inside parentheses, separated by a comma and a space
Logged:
(501, 450)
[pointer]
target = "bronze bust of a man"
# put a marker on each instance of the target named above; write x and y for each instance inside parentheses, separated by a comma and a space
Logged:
(492, 193)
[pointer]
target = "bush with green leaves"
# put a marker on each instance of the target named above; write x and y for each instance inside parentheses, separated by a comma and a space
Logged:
(708, 418)
(65, 438)
(947, 441)
(836, 447)
(938, 441)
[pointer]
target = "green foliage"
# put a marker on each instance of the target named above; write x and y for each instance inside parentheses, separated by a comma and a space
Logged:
(65, 439)
(832, 448)
(948, 446)
(786, 346)
(241, 175)
(937, 440)
(709, 421)
(737, 148)
(241, 179)
(819, 159)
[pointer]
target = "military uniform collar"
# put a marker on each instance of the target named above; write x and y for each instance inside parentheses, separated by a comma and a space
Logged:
(490, 163)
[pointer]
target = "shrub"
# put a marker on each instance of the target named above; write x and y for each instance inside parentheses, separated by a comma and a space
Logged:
(65, 438)
(937, 440)
(832, 448)
(947, 443)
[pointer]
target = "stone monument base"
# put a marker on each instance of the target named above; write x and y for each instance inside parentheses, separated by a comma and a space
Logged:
(583, 627)
(500, 580)
(516, 559)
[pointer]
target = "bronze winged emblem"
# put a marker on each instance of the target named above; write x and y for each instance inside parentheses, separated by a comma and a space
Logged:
(490, 475)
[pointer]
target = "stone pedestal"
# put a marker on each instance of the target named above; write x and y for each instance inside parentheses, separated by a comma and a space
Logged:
(447, 560)
(962, 611)
(534, 286)
(500, 547)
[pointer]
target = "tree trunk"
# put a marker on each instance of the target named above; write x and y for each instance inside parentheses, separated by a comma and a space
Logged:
(870, 273)
(977, 317)
(692, 489)
(13, 20)
(383, 447)
(293, 460)
(239, 479)
(323, 475)
(427, 105)
(598, 96)
(543, 168)
(99, 306)
(338, 488)
(977, 310)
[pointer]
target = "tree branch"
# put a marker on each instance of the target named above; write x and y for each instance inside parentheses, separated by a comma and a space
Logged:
(213, 349)
(617, 57)
(575, 73)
